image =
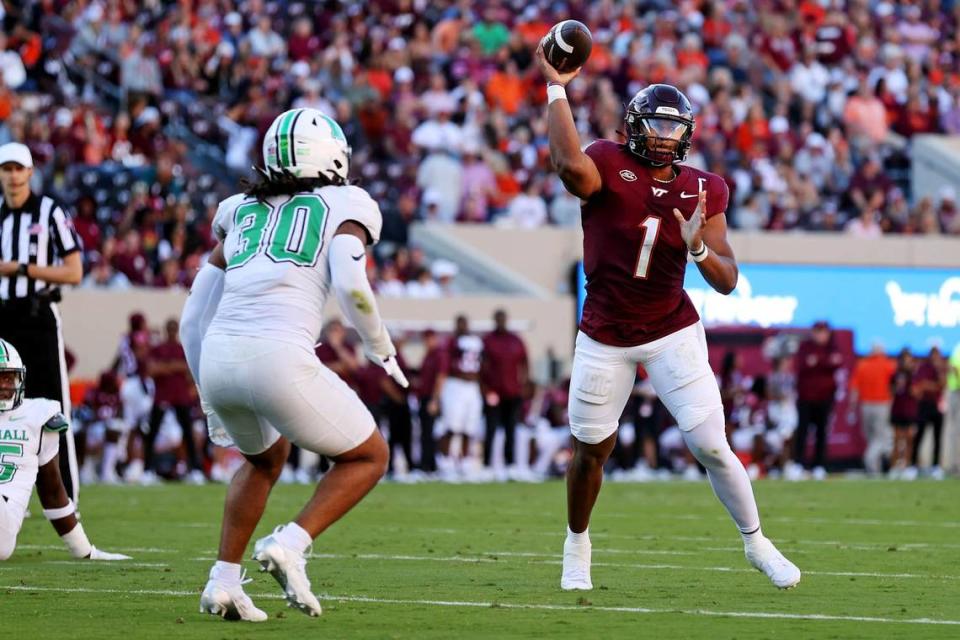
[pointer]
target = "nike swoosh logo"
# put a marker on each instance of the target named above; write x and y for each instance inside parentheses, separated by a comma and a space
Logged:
(12, 419)
(684, 194)
(359, 257)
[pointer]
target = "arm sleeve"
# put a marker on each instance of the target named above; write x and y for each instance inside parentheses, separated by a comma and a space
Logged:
(348, 276)
(198, 311)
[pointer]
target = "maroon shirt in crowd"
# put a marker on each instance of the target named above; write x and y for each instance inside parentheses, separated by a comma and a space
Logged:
(171, 388)
(633, 255)
(927, 372)
(904, 408)
(434, 363)
(816, 365)
(504, 357)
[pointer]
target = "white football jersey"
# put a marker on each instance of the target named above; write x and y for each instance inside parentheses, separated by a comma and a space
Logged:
(29, 439)
(277, 276)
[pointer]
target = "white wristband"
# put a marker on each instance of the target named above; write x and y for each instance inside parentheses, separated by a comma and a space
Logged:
(704, 252)
(556, 92)
(60, 512)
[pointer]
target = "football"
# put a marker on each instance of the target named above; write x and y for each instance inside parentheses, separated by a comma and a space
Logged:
(567, 45)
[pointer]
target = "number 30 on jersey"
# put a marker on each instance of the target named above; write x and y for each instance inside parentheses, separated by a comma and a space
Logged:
(290, 232)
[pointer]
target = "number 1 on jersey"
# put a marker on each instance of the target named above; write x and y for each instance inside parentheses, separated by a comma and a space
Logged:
(651, 229)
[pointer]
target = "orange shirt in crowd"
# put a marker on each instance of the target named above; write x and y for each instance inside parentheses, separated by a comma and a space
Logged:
(871, 378)
(505, 90)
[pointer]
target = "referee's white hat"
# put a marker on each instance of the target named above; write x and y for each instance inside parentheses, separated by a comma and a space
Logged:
(16, 152)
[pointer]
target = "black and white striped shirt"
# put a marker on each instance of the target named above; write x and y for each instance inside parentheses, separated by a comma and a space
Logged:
(39, 233)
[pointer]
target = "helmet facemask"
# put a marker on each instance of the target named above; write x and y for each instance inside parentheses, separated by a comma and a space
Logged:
(660, 139)
(11, 387)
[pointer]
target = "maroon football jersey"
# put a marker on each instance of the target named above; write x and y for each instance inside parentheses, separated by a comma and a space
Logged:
(633, 255)
(464, 356)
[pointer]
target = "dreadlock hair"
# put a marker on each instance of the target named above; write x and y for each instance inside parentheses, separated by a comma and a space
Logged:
(282, 182)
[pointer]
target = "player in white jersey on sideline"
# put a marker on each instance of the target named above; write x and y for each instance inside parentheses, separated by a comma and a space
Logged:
(285, 243)
(29, 444)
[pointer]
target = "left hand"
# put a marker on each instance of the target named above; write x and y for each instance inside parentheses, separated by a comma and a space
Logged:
(8, 268)
(692, 230)
(96, 554)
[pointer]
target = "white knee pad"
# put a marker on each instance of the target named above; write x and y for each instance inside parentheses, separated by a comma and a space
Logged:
(708, 442)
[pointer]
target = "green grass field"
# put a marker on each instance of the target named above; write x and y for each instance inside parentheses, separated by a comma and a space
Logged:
(880, 560)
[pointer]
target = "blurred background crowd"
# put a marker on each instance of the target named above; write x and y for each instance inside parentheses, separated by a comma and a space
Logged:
(785, 405)
(142, 115)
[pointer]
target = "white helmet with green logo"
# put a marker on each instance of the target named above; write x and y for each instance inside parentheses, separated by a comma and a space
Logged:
(10, 362)
(307, 143)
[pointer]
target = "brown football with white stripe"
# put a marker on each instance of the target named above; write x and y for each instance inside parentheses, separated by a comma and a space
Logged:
(567, 45)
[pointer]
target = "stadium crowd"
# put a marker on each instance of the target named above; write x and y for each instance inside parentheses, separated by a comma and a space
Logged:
(142, 115)
(142, 421)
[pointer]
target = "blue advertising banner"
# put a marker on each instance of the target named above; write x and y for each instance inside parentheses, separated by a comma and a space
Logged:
(900, 307)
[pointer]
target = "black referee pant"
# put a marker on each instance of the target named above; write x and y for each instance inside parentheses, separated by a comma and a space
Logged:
(33, 327)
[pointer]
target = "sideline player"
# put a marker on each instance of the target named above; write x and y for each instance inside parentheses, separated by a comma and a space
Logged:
(29, 445)
(285, 243)
(643, 213)
(461, 402)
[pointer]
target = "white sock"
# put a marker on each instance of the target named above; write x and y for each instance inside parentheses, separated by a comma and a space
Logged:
(578, 538)
(708, 443)
(227, 572)
(752, 537)
(77, 542)
(293, 536)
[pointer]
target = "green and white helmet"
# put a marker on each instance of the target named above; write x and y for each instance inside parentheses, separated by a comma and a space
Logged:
(307, 143)
(10, 361)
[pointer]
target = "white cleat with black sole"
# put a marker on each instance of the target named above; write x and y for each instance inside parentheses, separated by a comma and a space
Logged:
(289, 569)
(576, 567)
(230, 602)
(765, 557)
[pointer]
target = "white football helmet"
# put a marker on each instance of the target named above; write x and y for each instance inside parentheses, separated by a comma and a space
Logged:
(307, 143)
(10, 361)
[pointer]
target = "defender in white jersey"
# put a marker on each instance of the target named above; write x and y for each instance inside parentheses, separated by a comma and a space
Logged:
(29, 444)
(249, 330)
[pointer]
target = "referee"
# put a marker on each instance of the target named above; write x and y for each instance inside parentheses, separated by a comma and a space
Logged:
(39, 249)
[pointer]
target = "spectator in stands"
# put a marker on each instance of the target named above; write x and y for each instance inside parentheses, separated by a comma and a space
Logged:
(903, 415)
(931, 383)
(167, 366)
(870, 387)
(817, 363)
(503, 378)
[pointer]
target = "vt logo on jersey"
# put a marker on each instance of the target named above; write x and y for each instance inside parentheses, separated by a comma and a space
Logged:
(658, 192)
(628, 175)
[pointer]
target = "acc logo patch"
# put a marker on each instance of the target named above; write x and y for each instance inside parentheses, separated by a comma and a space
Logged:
(628, 175)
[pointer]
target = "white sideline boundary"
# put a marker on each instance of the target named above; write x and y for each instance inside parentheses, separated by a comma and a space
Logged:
(764, 615)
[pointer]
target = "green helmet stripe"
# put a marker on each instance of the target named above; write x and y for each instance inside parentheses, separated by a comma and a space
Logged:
(286, 138)
(335, 128)
(4, 356)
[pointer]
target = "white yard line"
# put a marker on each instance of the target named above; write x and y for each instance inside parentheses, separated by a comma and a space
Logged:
(553, 559)
(766, 615)
(60, 547)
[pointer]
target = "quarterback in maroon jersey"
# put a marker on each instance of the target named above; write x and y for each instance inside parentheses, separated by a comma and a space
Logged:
(643, 215)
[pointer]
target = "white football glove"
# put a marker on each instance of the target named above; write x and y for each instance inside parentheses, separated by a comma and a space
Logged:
(96, 554)
(382, 353)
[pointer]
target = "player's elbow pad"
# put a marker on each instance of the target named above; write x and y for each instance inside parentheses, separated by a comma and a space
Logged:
(348, 275)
